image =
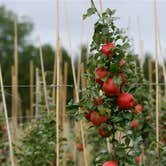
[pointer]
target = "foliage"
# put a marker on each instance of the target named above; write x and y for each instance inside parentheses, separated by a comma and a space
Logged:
(4, 151)
(37, 144)
(132, 141)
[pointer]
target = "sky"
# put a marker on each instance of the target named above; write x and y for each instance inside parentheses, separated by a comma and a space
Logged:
(43, 14)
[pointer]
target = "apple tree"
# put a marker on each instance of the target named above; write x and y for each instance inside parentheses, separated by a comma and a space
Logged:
(115, 104)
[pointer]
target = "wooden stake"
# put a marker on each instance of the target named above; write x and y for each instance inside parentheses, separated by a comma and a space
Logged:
(75, 84)
(6, 119)
(140, 43)
(57, 109)
(58, 82)
(15, 78)
(14, 112)
(12, 83)
(37, 92)
(65, 124)
(162, 58)
(157, 81)
(31, 87)
(43, 77)
(101, 5)
(65, 80)
(80, 56)
(61, 88)
(54, 80)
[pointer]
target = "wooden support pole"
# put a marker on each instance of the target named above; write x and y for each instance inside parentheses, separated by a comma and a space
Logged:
(15, 79)
(75, 85)
(43, 77)
(31, 87)
(37, 100)
(65, 81)
(57, 82)
(157, 81)
(12, 83)
(101, 5)
(57, 109)
(140, 43)
(61, 88)
(65, 123)
(7, 120)
(162, 58)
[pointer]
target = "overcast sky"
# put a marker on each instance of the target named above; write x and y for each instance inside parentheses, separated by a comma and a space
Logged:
(42, 13)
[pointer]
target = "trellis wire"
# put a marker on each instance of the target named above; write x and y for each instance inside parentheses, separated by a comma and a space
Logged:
(72, 86)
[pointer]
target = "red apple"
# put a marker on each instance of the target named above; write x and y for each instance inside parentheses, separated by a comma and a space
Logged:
(135, 124)
(122, 62)
(98, 101)
(164, 140)
(138, 159)
(99, 81)
(110, 163)
(125, 101)
(103, 133)
(4, 129)
(3, 152)
(123, 77)
(107, 48)
(88, 114)
(101, 72)
(79, 147)
(138, 109)
(97, 119)
(3, 160)
(110, 88)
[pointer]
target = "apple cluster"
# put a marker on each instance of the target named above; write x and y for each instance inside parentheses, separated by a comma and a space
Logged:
(112, 88)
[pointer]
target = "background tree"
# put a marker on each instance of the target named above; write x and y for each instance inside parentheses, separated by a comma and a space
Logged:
(27, 51)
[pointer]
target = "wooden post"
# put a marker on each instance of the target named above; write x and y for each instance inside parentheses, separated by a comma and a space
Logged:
(101, 5)
(12, 83)
(140, 43)
(75, 85)
(6, 119)
(43, 77)
(15, 79)
(61, 88)
(57, 107)
(157, 81)
(37, 92)
(57, 82)
(64, 119)
(65, 80)
(31, 88)
(80, 56)
(54, 80)
(162, 58)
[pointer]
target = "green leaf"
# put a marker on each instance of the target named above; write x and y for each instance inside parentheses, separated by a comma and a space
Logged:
(117, 80)
(110, 12)
(127, 141)
(89, 12)
(114, 68)
(71, 107)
